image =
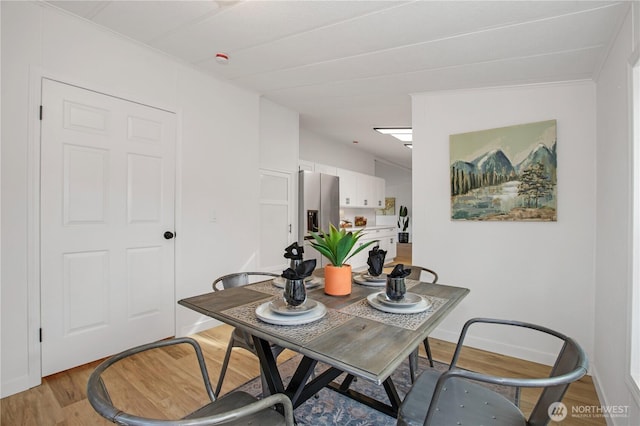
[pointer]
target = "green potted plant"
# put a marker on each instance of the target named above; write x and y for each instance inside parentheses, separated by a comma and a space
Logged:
(338, 247)
(403, 223)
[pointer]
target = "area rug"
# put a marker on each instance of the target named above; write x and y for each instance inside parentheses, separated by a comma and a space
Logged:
(331, 408)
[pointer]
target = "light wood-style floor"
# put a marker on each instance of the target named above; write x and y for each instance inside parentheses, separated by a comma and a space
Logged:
(61, 399)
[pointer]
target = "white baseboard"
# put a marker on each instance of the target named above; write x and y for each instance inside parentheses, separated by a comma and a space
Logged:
(198, 327)
(601, 395)
(497, 347)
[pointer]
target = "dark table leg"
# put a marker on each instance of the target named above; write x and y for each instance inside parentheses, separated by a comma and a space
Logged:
(346, 383)
(300, 377)
(388, 409)
(299, 390)
(392, 393)
(269, 365)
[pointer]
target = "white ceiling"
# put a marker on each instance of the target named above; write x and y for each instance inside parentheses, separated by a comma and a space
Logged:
(349, 66)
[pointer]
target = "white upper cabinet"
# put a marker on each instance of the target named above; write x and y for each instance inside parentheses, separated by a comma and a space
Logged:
(379, 188)
(327, 170)
(306, 165)
(364, 190)
(356, 189)
(310, 166)
(348, 188)
(360, 190)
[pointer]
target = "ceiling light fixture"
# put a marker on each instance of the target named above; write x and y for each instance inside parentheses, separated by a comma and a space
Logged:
(405, 134)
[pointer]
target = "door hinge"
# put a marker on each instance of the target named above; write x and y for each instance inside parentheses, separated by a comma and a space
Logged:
(40, 332)
(40, 112)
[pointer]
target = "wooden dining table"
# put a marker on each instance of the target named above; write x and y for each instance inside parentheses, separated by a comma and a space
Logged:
(353, 337)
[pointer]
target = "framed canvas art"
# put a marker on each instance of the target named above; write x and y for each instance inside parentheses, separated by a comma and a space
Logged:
(389, 207)
(505, 174)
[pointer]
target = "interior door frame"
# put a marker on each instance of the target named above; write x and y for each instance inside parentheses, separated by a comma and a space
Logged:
(34, 136)
(292, 190)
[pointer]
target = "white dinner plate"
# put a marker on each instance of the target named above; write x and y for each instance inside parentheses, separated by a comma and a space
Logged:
(378, 279)
(418, 307)
(360, 279)
(409, 299)
(309, 282)
(264, 313)
(279, 306)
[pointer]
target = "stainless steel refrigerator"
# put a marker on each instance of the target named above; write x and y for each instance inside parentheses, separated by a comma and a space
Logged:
(318, 206)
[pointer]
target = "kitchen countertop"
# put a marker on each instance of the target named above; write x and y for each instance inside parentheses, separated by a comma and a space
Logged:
(371, 228)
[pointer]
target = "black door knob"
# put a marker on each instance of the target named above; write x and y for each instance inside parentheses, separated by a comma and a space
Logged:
(168, 235)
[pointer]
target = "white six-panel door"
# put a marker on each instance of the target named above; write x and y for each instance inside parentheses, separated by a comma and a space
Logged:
(107, 199)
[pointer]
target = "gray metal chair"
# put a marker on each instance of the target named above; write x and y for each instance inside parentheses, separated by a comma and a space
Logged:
(454, 397)
(239, 338)
(235, 408)
(416, 274)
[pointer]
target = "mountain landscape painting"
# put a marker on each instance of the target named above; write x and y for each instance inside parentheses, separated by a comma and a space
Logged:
(505, 174)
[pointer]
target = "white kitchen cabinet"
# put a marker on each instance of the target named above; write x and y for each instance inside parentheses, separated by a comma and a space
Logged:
(327, 170)
(387, 238)
(306, 165)
(360, 190)
(364, 190)
(387, 242)
(310, 166)
(348, 188)
(379, 188)
(357, 190)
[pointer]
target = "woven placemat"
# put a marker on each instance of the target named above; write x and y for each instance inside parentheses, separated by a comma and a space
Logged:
(302, 333)
(363, 309)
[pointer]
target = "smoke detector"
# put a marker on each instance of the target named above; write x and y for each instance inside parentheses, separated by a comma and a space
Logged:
(222, 58)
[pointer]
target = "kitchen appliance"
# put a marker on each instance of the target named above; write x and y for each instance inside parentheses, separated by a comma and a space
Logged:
(318, 206)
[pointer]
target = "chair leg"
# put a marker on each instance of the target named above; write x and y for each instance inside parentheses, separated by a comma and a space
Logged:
(427, 348)
(413, 365)
(265, 386)
(223, 371)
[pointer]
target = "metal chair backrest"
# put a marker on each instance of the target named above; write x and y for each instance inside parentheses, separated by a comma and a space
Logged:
(570, 361)
(234, 406)
(416, 273)
(239, 279)
(570, 365)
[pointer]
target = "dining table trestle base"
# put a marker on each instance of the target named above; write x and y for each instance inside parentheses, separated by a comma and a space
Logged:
(350, 328)
(391, 410)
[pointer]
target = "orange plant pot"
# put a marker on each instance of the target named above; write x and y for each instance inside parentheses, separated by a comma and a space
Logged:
(337, 280)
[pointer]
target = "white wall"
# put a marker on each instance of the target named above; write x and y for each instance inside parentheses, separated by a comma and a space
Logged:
(15, 82)
(398, 184)
(279, 137)
(540, 272)
(217, 158)
(217, 176)
(613, 246)
(319, 149)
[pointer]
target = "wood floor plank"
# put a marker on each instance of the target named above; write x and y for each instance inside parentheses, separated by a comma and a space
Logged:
(37, 406)
(53, 404)
(82, 414)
